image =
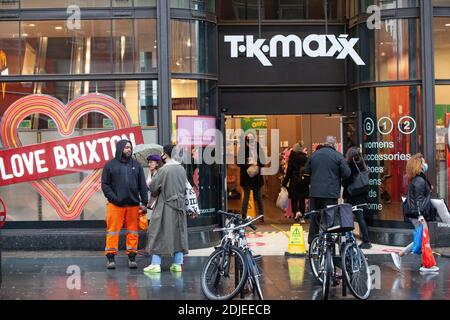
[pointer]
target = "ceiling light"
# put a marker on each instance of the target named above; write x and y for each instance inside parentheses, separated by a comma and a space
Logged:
(31, 25)
(24, 34)
(447, 24)
(58, 28)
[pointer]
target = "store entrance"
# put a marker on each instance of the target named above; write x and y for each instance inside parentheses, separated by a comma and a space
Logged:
(310, 129)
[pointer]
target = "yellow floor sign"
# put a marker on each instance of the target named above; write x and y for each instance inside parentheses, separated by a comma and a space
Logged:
(296, 244)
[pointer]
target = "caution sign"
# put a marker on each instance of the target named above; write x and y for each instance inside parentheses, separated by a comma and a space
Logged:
(2, 213)
(296, 244)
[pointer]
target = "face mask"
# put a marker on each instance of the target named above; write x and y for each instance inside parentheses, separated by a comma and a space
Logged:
(425, 167)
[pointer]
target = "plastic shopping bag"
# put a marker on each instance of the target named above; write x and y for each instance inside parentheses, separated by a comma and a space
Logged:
(283, 198)
(417, 245)
(428, 260)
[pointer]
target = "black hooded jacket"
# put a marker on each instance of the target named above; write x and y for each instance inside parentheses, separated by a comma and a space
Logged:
(123, 181)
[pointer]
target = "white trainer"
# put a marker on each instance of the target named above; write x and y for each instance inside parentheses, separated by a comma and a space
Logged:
(431, 269)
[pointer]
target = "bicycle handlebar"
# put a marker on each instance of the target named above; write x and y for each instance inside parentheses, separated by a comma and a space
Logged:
(241, 226)
(354, 208)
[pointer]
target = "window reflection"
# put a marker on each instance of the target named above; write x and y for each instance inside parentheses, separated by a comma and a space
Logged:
(9, 48)
(442, 48)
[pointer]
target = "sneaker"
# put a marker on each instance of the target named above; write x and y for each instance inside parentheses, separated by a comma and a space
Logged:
(176, 268)
(132, 260)
(365, 245)
(397, 260)
(431, 269)
(153, 268)
(111, 264)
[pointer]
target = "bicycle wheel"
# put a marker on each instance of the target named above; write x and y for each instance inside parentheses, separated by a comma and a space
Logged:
(254, 276)
(326, 276)
(356, 271)
(224, 274)
(316, 259)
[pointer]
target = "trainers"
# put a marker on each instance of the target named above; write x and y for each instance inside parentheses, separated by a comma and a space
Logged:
(397, 260)
(111, 264)
(431, 269)
(176, 267)
(132, 260)
(153, 268)
(365, 245)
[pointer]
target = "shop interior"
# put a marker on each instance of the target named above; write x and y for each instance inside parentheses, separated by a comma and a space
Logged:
(310, 129)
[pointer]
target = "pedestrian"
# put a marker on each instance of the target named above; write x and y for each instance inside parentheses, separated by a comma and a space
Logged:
(123, 184)
(356, 163)
(167, 231)
(419, 205)
(153, 165)
(327, 168)
(296, 182)
(250, 176)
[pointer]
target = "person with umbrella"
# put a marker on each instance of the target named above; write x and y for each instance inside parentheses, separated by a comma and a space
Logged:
(153, 165)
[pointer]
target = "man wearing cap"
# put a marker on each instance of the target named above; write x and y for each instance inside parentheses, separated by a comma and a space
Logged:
(123, 184)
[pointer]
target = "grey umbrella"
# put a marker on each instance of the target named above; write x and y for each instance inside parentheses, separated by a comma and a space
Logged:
(142, 151)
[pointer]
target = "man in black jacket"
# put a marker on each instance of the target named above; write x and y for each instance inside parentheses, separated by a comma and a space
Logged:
(123, 184)
(327, 168)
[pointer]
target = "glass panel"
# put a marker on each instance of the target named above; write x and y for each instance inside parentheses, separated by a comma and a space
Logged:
(123, 45)
(28, 4)
(140, 99)
(146, 45)
(122, 3)
(211, 48)
(181, 46)
(441, 3)
(367, 50)
(387, 50)
(49, 47)
(392, 129)
(409, 49)
(9, 48)
(145, 3)
(9, 4)
(441, 48)
(442, 147)
(183, 4)
(200, 5)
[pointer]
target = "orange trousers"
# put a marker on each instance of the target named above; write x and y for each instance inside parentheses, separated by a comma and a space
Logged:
(116, 218)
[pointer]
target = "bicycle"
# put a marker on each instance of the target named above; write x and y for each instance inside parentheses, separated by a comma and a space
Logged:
(323, 261)
(232, 264)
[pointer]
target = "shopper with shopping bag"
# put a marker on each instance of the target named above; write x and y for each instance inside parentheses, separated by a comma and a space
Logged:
(419, 210)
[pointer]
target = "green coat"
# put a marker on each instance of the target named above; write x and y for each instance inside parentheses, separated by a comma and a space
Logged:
(167, 231)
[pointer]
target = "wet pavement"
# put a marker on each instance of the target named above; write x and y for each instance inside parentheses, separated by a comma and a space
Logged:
(49, 276)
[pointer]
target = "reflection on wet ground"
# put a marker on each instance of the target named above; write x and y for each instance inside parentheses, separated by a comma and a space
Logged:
(48, 277)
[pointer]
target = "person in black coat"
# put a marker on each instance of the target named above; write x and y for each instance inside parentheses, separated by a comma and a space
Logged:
(295, 182)
(419, 208)
(252, 154)
(357, 164)
(327, 168)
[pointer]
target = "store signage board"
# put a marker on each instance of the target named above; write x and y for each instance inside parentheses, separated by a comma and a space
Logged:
(196, 130)
(313, 46)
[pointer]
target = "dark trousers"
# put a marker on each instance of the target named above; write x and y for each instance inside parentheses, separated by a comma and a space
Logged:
(298, 205)
(257, 196)
(362, 225)
(317, 204)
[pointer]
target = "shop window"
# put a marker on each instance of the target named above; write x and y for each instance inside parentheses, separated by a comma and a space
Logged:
(33, 4)
(441, 48)
(141, 101)
(123, 45)
(200, 5)
(392, 133)
(9, 4)
(441, 3)
(146, 45)
(9, 48)
(442, 143)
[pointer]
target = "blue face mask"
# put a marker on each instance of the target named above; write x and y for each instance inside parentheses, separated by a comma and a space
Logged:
(425, 167)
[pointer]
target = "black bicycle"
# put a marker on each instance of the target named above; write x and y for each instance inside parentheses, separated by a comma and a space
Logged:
(232, 265)
(323, 260)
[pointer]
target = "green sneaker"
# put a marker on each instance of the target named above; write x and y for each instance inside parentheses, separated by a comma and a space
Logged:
(176, 267)
(153, 269)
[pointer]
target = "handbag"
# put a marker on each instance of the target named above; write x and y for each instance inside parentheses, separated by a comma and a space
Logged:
(417, 244)
(283, 199)
(143, 222)
(252, 170)
(428, 260)
(337, 219)
(190, 200)
(360, 183)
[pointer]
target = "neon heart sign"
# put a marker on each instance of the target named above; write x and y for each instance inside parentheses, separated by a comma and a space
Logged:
(65, 118)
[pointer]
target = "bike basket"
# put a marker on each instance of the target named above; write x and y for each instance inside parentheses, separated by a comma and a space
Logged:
(337, 219)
